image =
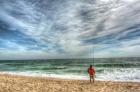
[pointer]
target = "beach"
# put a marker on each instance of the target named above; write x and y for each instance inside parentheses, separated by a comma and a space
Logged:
(14, 83)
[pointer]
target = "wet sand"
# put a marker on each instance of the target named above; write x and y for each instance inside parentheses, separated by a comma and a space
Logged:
(12, 83)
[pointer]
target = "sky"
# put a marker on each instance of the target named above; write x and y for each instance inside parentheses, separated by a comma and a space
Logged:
(51, 29)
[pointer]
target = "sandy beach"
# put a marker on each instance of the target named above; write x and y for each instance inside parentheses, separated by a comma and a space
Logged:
(12, 83)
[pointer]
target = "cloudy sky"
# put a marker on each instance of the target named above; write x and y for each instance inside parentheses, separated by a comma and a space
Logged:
(41, 29)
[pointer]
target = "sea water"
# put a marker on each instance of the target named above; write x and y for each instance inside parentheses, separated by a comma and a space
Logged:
(110, 69)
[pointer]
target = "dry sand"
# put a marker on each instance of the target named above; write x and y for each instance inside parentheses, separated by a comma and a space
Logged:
(10, 83)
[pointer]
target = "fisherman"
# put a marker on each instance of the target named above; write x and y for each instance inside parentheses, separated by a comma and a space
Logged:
(91, 73)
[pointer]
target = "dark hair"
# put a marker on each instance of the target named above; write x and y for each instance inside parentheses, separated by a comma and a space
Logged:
(90, 66)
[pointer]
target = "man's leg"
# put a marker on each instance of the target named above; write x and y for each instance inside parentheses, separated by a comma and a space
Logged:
(93, 79)
(90, 79)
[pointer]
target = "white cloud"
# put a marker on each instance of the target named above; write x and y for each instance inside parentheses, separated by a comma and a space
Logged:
(68, 24)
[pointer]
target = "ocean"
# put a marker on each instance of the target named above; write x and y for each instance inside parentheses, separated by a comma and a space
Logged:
(110, 69)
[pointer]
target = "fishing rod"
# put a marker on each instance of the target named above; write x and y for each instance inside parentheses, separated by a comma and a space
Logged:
(93, 57)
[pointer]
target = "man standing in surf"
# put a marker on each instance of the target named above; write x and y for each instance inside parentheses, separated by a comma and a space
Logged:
(91, 73)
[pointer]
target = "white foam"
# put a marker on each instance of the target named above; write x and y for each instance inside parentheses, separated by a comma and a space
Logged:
(37, 74)
(120, 74)
(115, 74)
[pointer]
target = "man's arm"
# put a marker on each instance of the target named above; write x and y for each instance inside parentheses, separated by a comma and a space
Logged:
(93, 70)
(88, 70)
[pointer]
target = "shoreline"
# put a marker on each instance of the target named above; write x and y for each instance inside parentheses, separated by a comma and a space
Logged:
(62, 78)
(16, 83)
